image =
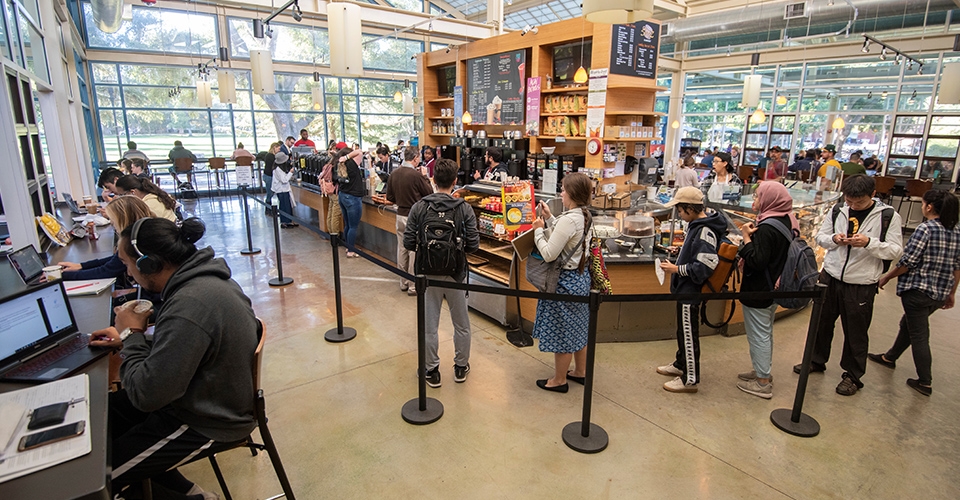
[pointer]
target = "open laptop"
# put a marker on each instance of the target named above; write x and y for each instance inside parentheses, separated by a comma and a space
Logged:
(39, 338)
(28, 264)
(71, 203)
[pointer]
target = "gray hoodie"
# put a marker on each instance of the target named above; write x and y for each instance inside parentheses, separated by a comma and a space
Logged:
(199, 367)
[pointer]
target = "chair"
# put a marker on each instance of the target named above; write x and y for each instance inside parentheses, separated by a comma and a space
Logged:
(247, 161)
(217, 165)
(884, 186)
(184, 166)
(915, 191)
(268, 443)
(745, 172)
(762, 173)
(804, 175)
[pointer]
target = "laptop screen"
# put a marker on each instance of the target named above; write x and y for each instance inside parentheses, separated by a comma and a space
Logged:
(27, 262)
(28, 319)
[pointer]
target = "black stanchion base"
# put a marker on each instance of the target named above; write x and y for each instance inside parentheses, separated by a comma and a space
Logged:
(806, 427)
(596, 442)
(519, 338)
(412, 415)
(249, 251)
(280, 282)
(333, 335)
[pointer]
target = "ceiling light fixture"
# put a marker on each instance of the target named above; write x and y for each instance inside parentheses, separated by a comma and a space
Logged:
(758, 116)
(675, 124)
(884, 94)
(869, 95)
(883, 54)
(580, 77)
(866, 46)
(839, 124)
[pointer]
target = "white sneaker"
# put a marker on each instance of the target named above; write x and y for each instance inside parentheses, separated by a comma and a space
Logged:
(670, 370)
(207, 495)
(677, 385)
(754, 387)
(750, 375)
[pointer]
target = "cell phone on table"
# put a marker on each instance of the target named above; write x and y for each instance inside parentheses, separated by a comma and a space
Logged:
(35, 440)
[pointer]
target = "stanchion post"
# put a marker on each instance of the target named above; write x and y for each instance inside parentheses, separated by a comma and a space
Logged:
(794, 421)
(421, 410)
(340, 333)
(584, 436)
(246, 217)
(280, 280)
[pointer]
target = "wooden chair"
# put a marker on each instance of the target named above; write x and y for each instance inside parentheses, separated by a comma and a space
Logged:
(761, 173)
(884, 186)
(217, 165)
(915, 191)
(268, 443)
(745, 172)
(804, 175)
(184, 166)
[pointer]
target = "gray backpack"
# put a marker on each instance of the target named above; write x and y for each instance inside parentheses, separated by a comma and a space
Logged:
(800, 270)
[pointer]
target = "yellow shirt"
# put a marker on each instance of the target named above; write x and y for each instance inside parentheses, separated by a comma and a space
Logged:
(823, 168)
(158, 208)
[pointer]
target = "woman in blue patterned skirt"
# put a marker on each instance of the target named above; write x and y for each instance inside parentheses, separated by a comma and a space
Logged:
(561, 326)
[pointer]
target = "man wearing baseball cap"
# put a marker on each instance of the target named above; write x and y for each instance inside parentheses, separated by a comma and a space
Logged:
(828, 153)
(695, 264)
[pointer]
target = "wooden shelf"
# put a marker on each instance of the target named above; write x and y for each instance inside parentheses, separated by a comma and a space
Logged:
(563, 114)
(442, 135)
(563, 90)
(654, 88)
(554, 137)
(635, 113)
(442, 99)
(631, 139)
(440, 117)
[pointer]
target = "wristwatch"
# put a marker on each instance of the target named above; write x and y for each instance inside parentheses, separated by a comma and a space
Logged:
(128, 332)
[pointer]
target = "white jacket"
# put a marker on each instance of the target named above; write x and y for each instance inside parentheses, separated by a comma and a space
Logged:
(860, 266)
(281, 180)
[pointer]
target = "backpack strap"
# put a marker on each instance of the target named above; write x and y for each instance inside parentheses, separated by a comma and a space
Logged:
(836, 213)
(563, 260)
(885, 217)
(787, 233)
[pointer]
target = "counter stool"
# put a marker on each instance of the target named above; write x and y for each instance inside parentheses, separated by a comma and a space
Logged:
(885, 187)
(218, 165)
(915, 191)
(184, 166)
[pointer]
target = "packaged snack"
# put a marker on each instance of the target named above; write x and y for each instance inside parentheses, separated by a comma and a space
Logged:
(574, 126)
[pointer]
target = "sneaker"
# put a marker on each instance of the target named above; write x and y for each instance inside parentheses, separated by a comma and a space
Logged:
(207, 495)
(878, 358)
(814, 368)
(847, 387)
(411, 291)
(460, 373)
(433, 377)
(404, 288)
(750, 375)
(669, 370)
(754, 387)
(677, 385)
(922, 389)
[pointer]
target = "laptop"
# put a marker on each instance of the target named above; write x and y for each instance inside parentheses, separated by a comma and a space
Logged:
(71, 203)
(39, 338)
(28, 264)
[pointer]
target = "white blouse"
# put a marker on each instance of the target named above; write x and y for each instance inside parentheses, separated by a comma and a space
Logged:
(561, 234)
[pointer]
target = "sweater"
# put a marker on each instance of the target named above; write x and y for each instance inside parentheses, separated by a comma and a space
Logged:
(158, 208)
(698, 255)
(763, 261)
(405, 186)
(107, 267)
(199, 368)
(562, 234)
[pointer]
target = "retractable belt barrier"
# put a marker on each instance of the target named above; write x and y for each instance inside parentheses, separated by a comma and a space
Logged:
(582, 436)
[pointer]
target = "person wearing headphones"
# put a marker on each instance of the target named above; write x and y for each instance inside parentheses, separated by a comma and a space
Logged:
(191, 389)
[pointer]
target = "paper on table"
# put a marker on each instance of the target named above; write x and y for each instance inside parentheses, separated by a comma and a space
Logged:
(13, 463)
(660, 274)
(87, 287)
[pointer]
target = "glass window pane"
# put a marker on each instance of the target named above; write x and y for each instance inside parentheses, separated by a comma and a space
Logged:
(915, 99)
(866, 133)
(812, 130)
(332, 104)
(758, 141)
(108, 96)
(289, 42)
(8, 12)
(350, 104)
(384, 88)
(113, 132)
(331, 85)
(411, 5)
(334, 127)
(937, 169)
(380, 105)
(223, 134)
(155, 131)
(385, 129)
(906, 146)
(391, 54)
(158, 97)
(102, 72)
(867, 72)
(785, 141)
(910, 124)
(4, 46)
(945, 125)
(942, 148)
(132, 74)
(783, 123)
(349, 85)
(156, 30)
(791, 76)
(33, 9)
(243, 129)
(33, 49)
(905, 167)
(351, 129)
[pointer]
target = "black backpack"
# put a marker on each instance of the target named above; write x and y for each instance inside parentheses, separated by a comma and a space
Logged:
(885, 217)
(440, 241)
(799, 272)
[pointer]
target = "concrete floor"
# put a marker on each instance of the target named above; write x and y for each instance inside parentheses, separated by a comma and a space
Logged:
(334, 409)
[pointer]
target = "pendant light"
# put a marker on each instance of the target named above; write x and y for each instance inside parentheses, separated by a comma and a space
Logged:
(261, 72)
(204, 93)
(758, 116)
(949, 84)
(227, 86)
(398, 97)
(751, 90)
(580, 77)
(316, 93)
(839, 124)
(466, 119)
(675, 124)
(346, 50)
(781, 100)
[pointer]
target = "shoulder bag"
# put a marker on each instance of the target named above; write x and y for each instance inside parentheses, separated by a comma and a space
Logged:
(545, 275)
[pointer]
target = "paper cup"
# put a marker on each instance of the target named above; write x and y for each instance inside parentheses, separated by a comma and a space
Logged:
(139, 306)
(53, 272)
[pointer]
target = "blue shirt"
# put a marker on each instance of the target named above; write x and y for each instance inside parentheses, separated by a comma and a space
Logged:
(931, 256)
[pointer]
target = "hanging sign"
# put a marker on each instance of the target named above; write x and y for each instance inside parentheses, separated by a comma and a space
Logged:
(634, 48)
(533, 106)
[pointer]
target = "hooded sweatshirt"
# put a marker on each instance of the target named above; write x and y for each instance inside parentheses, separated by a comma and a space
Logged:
(198, 370)
(698, 256)
(860, 266)
(444, 202)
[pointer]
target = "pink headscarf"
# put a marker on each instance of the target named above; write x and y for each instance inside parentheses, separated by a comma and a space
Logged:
(771, 199)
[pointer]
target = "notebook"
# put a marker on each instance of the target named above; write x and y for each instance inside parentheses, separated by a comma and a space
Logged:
(28, 264)
(39, 338)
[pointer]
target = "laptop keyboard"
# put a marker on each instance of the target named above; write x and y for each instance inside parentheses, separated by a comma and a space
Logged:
(42, 362)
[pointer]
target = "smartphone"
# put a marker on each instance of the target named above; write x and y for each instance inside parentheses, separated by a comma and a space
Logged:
(31, 441)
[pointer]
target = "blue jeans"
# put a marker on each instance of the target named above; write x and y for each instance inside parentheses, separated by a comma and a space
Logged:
(267, 183)
(285, 206)
(351, 208)
(759, 325)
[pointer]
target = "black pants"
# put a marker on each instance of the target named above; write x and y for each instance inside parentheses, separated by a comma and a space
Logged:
(151, 445)
(688, 342)
(853, 304)
(915, 332)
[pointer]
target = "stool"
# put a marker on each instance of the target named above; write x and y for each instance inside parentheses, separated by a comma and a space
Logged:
(885, 187)
(915, 191)
(217, 165)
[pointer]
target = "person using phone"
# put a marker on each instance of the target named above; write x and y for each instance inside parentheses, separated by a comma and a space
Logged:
(192, 388)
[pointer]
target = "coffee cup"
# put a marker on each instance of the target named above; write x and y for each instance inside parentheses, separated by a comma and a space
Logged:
(53, 272)
(139, 306)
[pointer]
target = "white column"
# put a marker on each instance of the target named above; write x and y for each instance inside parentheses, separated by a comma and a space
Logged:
(495, 13)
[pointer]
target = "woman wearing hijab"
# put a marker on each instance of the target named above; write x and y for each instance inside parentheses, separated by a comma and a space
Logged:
(764, 254)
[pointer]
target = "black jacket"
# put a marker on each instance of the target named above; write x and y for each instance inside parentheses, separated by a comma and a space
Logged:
(352, 184)
(269, 162)
(698, 256)
(444, 201)
(766, 253)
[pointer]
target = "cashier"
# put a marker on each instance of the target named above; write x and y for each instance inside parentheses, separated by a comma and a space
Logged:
(495, 169)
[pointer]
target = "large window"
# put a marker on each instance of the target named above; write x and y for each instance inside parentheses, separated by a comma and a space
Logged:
(394, 54)
(288, 43)
(158, 30)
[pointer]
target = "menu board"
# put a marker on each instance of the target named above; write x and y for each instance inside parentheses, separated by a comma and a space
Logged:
(495, 88)
(634, 49)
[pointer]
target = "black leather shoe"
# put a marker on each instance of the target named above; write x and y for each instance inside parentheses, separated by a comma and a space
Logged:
(560, 388)
(814, 368)
(922, 389)
(878, 358)
(574, 378)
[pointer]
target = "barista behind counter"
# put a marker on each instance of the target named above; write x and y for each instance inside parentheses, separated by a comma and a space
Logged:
(495, 169)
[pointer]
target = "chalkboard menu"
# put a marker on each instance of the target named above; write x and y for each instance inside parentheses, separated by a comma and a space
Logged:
(634, 48)
(495, 88)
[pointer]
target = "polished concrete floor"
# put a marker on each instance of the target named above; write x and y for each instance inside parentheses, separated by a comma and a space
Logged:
(334, 409)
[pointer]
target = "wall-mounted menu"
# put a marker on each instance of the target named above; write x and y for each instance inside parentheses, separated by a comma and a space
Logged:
(634, 48)
(495, 88)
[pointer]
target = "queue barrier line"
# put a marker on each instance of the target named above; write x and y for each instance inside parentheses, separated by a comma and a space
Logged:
(582, 436)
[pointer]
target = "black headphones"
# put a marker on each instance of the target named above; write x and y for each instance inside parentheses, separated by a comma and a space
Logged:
(145, 264)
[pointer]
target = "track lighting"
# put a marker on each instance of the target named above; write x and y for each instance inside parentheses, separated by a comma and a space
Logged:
(913, 98)
(884, 94)
(899, 60)
(883, 54)
(728, 52)
(866, 46)
(869, 95)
